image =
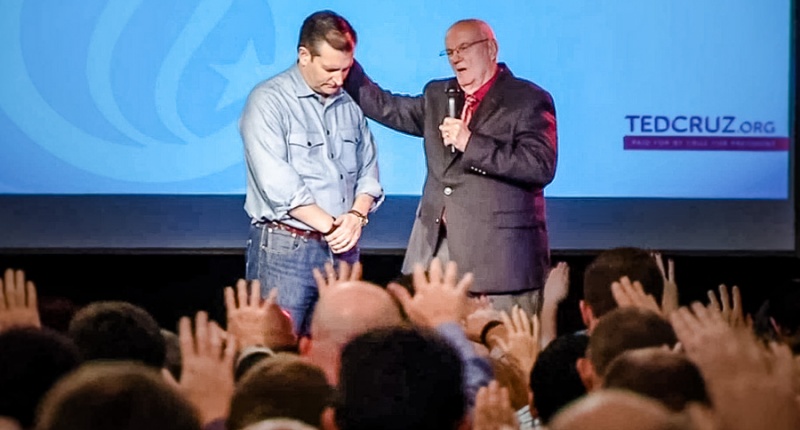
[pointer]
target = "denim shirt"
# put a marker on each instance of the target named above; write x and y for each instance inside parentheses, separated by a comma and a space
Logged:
(477, 370)
(301, 148)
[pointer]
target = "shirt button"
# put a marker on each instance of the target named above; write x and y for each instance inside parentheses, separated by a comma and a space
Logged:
(436, 220)
(341, 176)
(448, 191)
(331, 155)
(309, 143)
(342, 200)
(328, 132)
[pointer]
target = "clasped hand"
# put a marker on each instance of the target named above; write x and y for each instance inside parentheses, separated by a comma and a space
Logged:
(345, 236)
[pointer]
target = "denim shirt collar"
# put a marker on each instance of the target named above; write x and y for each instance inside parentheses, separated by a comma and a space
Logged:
(302, 89)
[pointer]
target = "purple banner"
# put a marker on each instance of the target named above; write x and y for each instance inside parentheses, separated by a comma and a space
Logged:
(707, 143)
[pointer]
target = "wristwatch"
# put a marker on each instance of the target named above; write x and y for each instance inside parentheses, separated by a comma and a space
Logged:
(361, 217)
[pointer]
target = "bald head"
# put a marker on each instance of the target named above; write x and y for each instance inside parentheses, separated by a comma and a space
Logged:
(478, 26)
(348, 310)
(471, 48)
(352, 308)
(614, 410)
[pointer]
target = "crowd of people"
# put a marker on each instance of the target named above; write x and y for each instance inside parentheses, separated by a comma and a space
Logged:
(421, 355)
(307, 344)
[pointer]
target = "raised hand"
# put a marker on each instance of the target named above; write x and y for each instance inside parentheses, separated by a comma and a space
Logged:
(522, 339)
(729, 305)
(475, 304)
(18, 303)
(556, 287)
(439, 297)
(750, 387)
(669, 300)
(254, 321)
(629, 294)
(493, 409)
(331, 278)
(480, 313)
(699, 328)
(207, 374)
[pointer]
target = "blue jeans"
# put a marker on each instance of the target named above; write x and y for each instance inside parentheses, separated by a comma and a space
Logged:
(283, 260)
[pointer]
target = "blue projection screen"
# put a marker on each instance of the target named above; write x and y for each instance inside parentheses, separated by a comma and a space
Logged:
(673, 116)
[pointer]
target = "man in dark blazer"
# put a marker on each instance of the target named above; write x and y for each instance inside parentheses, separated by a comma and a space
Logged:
(482, 205)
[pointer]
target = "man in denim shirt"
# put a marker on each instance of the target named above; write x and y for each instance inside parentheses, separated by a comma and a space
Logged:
(312, 172)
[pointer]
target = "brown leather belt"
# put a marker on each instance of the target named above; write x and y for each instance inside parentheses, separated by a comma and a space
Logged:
(308, 234)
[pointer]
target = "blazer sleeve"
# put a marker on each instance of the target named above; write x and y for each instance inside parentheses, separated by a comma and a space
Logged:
(530, 157)
(399, 112)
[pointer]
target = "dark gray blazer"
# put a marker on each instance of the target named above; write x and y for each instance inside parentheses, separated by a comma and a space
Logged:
(496, 225)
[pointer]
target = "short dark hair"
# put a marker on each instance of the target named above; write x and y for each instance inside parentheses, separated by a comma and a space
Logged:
(31, 361)
(668, 377)
(555, 381)
(327, 26)
(283, 386)
(118, 331)
(248, 360)
(57, 312)
(119, 395)
(611, 265)
(624, 329)
(400, 378)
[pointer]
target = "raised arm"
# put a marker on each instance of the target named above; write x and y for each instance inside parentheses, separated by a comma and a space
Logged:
(399, 112)
(440, 302)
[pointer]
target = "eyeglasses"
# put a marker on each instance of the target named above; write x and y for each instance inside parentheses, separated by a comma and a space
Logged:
(461, 48)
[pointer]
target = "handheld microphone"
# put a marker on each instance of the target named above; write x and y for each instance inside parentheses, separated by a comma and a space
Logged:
(452, 92)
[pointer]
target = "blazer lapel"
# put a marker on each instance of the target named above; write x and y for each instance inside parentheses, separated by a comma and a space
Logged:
(492, 100)
(487, 107)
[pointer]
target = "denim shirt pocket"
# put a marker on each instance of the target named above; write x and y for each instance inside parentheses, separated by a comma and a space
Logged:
(307, 153)
(350, 140)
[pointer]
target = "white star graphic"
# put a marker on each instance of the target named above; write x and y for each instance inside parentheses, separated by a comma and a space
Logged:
(242, 76)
